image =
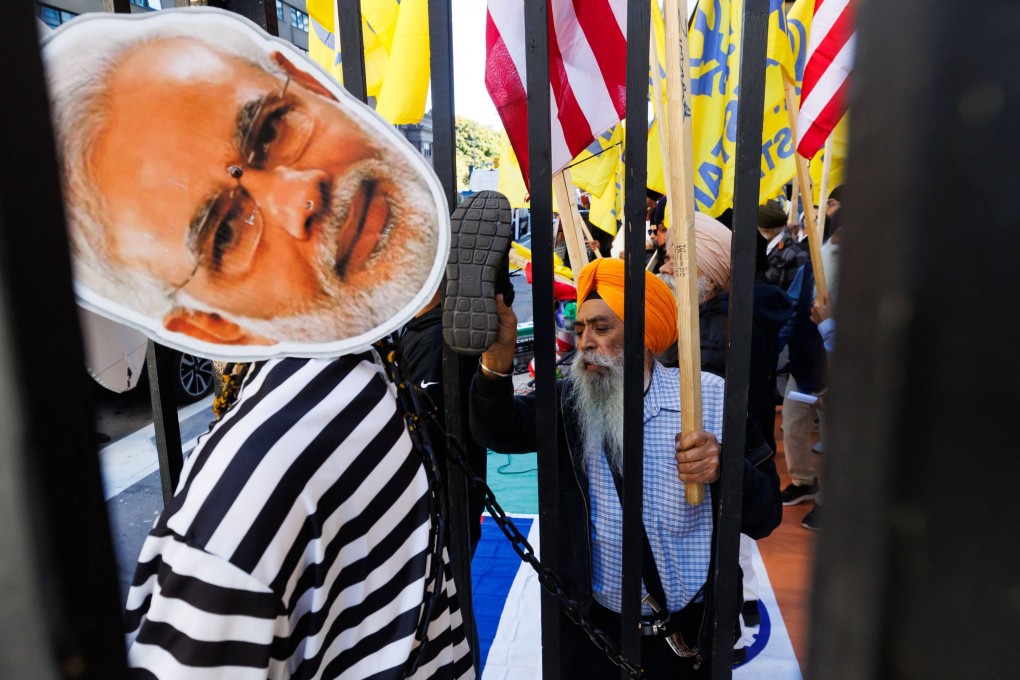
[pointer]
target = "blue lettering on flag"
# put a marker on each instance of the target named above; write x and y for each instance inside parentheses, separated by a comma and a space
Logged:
(715, 55)
(711, 175)
(784, 143)
(801, 39)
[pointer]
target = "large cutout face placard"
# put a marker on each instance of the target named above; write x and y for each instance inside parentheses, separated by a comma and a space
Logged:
(227, 198)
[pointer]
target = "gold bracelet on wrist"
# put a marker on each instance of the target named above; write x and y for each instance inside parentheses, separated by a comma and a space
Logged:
(486, 369)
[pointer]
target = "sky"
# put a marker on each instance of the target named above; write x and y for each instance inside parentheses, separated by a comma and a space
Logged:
(471, 100)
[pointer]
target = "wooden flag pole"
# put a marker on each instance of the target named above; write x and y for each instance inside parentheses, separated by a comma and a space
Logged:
(814, 235)
(823, 194)
(680, 192)
(587, 234)
(570, 218)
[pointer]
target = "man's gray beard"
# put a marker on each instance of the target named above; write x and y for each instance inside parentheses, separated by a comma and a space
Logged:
(670, 280)
(402, 266)
(597, 398)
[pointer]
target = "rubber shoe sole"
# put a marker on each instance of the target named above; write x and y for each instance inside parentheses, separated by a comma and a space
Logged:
(482, 231)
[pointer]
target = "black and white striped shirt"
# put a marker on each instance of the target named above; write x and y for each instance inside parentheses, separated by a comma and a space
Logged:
(297, 545)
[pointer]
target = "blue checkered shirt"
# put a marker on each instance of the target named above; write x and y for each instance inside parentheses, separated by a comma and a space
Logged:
(680, 535)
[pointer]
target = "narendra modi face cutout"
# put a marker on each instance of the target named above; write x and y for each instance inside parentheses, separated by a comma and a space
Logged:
(228, 198)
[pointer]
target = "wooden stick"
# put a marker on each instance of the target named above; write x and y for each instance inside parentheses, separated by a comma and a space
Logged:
(570, 218)
(823, 194)
(680, 192)
(588, 236)
(804, 177)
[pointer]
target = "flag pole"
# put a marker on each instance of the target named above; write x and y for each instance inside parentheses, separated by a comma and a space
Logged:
(814, 234)
(680, 192)
(570, 220)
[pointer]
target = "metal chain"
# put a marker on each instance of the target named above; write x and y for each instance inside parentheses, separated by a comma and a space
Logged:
(548, 578)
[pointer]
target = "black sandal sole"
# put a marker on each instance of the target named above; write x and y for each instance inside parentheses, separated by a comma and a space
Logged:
(482, 232)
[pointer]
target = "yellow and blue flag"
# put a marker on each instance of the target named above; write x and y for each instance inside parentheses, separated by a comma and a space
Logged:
(715, 63)
(396, 49)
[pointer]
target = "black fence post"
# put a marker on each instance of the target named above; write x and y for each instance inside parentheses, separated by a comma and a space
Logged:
(638, 21)
(351, 47)
(59, 612)
(747, 180)
(457, 370)
(160, 365)
(536, 14)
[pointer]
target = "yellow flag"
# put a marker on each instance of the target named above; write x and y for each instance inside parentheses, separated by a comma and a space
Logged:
(798, 22)
(595, 167)
(511, 182)
(607, 208)
(715, 65)
(715, 62)
(405, 85)
(396, 49)
(778, 165)
(656, 177)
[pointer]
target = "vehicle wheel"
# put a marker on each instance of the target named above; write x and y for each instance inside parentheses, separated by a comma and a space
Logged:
(194, 378)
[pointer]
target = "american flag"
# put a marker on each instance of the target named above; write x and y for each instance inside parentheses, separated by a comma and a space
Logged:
(587, 72)
(830, 57)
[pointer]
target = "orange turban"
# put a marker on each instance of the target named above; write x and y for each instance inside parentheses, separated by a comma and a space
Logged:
(606, 277)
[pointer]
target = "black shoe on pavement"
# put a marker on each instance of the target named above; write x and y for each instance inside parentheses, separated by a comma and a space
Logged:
(813, 518)
(794, 494)
(477, 271)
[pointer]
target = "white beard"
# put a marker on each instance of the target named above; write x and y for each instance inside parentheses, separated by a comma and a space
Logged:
(597, 398)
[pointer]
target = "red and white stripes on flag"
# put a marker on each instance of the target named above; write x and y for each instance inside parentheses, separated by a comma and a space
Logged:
(587, 72)
(830, 58)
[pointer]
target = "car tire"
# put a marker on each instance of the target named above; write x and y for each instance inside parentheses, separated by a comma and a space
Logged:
(193, 377)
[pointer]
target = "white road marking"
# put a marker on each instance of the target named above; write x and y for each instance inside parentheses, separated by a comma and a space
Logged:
(133, 458)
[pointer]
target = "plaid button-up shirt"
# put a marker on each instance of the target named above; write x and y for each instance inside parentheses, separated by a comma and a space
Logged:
(680, 535)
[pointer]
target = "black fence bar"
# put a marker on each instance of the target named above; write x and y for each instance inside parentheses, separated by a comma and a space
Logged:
(638, 21)
(161, 366)
(916, 572)
(457, 370)
(351, 47)
(536, 13)
(747, 180)
(262, 12)
(59, 596)
(444, 132)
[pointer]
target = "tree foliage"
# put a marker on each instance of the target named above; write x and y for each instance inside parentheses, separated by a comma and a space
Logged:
(477, 147)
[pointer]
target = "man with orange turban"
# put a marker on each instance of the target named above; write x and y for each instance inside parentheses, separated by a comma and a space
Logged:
(590, 441)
